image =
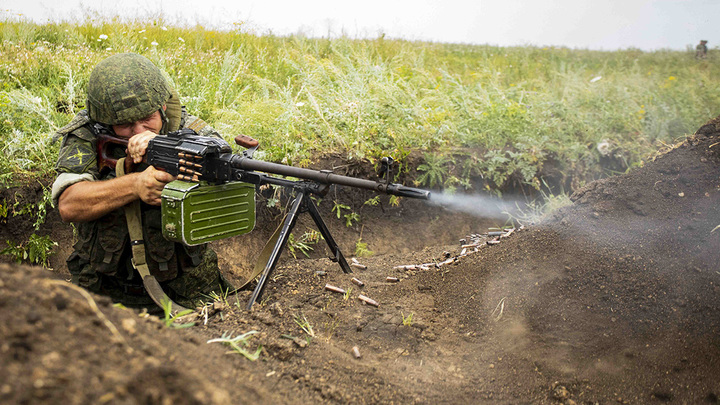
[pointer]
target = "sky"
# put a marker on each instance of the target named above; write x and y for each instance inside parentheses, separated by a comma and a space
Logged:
(584, 24)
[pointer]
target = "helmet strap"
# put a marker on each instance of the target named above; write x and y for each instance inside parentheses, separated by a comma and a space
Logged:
(163, 116)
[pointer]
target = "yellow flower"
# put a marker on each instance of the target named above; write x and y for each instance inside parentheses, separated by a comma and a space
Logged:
(672, 78)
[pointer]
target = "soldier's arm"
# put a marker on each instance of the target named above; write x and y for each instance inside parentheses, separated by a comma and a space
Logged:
(89, 200)
(80, 196)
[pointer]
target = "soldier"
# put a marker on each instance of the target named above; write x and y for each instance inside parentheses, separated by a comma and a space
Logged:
(701, 50)
(130, 97)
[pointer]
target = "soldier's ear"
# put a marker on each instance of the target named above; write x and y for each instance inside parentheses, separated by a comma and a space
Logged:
(164, 107)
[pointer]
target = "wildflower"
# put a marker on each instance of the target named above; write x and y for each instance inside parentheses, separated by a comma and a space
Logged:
(671, 78)
(180, 39)
(604, 148)
(103, 36)
(108, 49)
(141, 31)
(596, 78)
(153, 43)
(299, 104)
(164, 28)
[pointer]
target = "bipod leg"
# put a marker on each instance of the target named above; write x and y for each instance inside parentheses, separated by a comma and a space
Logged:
(325, 232)
(279, 245)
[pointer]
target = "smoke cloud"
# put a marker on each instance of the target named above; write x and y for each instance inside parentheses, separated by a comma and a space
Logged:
(482, 206)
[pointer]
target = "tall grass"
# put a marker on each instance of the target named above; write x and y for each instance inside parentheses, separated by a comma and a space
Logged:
(510, 115)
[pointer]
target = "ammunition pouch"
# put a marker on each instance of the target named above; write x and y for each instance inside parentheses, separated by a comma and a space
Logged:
(194, 213)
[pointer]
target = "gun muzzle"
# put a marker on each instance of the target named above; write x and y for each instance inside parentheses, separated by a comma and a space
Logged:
(403, 191)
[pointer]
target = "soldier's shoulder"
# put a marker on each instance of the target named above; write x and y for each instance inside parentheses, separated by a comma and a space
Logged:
(78, 126)
(198, 125)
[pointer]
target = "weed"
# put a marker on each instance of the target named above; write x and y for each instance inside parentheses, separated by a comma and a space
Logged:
(330, 328)
(337, 208)
(305, 325)
(346, 296)
(238, 344)
(373, 202)
(361, 249)
(169, 319)
(36, 250)
(304, 243)
(407, 320)
(222, 297)
(349, 218)
(435, 170)
(536, 210)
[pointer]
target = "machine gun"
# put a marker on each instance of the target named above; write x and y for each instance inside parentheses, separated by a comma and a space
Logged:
(209, 161)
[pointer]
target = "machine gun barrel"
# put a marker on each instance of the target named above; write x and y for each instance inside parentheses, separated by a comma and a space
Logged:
(327, 177)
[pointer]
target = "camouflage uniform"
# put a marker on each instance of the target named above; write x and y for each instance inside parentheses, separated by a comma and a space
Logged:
(701, 50)
(101, 261)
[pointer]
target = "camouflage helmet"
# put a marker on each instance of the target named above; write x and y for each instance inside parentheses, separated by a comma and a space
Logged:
(125, 88)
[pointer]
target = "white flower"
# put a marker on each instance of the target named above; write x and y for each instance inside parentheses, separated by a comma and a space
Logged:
(140, 32)
(299, 104)
(604, 148)
(180, 39)
(596, 78)
(103, 36)
(164, 28)
(108, 49)
(153, 43)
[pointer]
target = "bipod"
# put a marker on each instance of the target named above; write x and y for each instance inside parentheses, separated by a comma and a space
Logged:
(301, 203)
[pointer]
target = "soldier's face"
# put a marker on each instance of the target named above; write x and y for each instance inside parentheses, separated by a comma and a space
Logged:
(152, 123)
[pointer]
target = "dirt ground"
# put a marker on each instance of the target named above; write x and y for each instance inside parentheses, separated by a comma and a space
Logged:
(614, 299)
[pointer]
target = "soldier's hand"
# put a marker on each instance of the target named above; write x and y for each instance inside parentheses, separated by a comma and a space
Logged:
(138, 144)
(150, 183)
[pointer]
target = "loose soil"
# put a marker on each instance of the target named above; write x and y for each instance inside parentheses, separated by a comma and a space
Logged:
(614, 299)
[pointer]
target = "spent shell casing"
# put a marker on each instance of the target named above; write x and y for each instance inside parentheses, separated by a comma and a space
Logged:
(368, 301)
(334, 289)
(356, 352)
(392, 279)
(493, 242)
(359, 266)
(496, 233)
(354, 260)
(358, 282)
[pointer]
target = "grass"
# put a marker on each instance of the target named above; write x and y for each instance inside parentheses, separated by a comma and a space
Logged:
(238, 344)
(305, 325)
(503, 114)
(407, 320)
(170, 318)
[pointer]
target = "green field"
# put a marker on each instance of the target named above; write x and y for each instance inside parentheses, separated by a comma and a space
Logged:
(511, 116)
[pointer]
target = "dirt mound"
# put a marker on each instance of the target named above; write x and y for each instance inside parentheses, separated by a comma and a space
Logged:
(60, 345)
(613, 299)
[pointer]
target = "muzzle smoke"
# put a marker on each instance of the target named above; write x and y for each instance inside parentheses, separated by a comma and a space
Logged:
(476, 205)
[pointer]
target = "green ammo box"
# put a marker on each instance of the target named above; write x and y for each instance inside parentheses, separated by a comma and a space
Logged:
(195, 213)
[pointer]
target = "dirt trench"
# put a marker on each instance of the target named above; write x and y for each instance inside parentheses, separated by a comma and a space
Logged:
(613, 299)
